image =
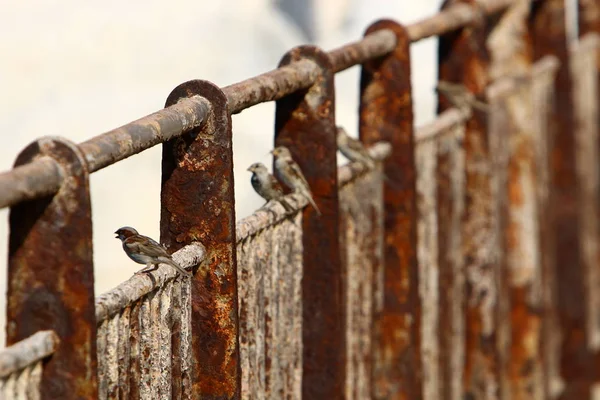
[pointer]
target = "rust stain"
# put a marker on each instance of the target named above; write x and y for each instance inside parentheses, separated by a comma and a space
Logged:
(386, 114)
(463, 59)
(576, 364)
(311, 140)
(50, 285)
(198, 204)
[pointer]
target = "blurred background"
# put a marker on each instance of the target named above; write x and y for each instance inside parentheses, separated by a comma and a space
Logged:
(77, 69)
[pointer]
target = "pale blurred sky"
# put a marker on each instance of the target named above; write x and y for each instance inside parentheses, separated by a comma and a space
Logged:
(77, 69)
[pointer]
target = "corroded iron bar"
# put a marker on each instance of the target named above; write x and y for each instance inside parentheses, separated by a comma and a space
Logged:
(450, 212)
(43, 176)
(305, 124)
(51, 273)
(159, 127)
(197, 204)
(548, 31)
(463, 59)
(39, 178)
(386, 114)
(27, 351)
(454, 17)
(588, 16)
(113, 146)
(441, 125)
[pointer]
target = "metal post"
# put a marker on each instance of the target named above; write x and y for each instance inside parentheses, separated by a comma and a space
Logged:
(305, 123)
(51, 273)
(198, 205)
(463, 59)
(386, 114)
(547, 26)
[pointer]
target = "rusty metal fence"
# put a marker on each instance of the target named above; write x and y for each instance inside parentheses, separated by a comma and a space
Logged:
(463, 266)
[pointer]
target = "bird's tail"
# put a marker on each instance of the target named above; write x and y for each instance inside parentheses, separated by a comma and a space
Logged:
(312, 201)
(173, 264)
(288, 207)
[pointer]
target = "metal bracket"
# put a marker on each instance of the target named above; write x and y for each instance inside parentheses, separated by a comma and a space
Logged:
(51, 273)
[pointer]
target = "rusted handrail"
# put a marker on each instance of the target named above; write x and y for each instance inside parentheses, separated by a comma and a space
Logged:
(27, 352)
(43, 177)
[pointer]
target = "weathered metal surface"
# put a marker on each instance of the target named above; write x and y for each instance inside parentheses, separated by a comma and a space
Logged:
(270, 273)
(515, 173)
(28, 351)
(30, 181)
(427, 255)
(450, 208)
(23, 384)
(137, 136)
(371, 46)
(361, 226)
(512, 145)
(43, 177)
(144, 334)
(439, 126)
(543, 76)
(455, 17)
(548, 36)
(51, 275)
(386, 114)
(586, 93)
(588, 13)
(348, 172)
(463, 59)
(305, 123)
(198, 205)
(585, 58)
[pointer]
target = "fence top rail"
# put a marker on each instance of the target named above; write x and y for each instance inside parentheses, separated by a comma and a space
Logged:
(44, 177)
(28, 351)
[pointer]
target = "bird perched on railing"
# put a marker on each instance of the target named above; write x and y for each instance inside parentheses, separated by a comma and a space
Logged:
(267, 186)
(144, 250)
(292, 175)
(353, 149)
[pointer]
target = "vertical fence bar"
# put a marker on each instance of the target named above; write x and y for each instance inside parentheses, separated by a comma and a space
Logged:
(305, 123)
(386, 114)
(585, 61)
(450, 176)
(515, 175)
(51, 273)
(463, 59)
(512, 145)
(548, 35)
(543, 105)
(198, 205)
(588, 13)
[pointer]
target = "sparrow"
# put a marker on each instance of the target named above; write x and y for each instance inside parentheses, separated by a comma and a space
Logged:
(460, 97)
(291, 174)
(144, 250)
(353, 149)
(267, 186)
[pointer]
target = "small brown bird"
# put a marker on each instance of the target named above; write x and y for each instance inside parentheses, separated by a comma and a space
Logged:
(353, 149)
(144, 250)
(267, 186)
(292, 175)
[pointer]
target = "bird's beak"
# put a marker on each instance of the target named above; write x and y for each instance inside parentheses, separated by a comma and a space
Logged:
(249, 169)
(271, 152)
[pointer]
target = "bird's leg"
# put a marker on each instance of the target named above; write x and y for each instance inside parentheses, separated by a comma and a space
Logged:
(148, 268)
